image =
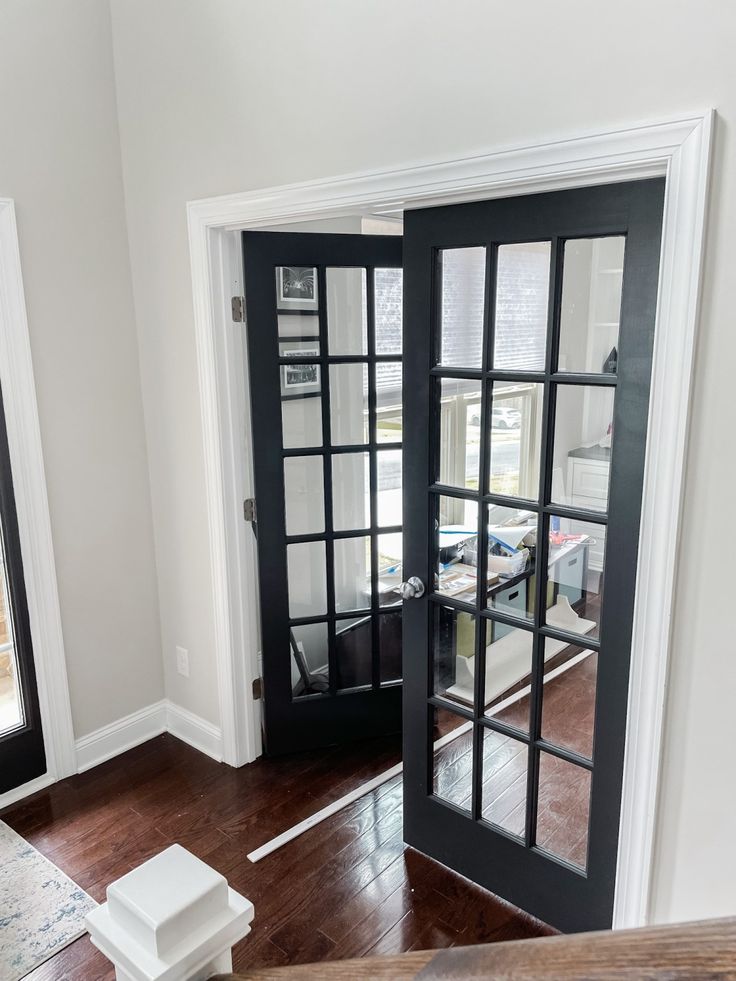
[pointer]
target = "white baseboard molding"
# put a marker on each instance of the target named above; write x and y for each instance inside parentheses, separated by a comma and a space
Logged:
(18, 793)
(111, 740)
(194, 730)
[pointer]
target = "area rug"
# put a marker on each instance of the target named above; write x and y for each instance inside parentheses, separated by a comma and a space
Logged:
(41, 909)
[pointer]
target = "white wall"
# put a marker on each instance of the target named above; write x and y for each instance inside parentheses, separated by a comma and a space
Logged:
(60, 161)
(230, 95)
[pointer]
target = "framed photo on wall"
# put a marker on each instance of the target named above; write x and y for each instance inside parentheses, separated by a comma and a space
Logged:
(300, 380)
(296, 288)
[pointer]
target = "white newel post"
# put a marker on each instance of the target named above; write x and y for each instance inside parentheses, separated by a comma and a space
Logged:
(172, 919)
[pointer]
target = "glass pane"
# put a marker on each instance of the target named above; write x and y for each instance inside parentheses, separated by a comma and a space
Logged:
(388, 402)
(508, 673)
(298, 335)
(349, 404)
(452, 769)
(296, 288)
(307, 580)
(390, 556)
(354, 647)
(11, 703)
(460, 420)
(592, 284)
(522, 294)
(304, 495)
(503, 798)
(457, 546)
(454, 654)
(352, 574)
(389, 639)
(512, 535)
(577, 551)
(463, 273)
(309, 659)
(351, 492)
(301, 419)
(582, 447)
(389, 285)
(515, 439)
(568, 702)
(563, 808)
(347, 314)
(389, 487)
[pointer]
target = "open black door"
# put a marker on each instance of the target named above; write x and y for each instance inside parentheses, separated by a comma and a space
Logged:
(324, 350)
(529, 326)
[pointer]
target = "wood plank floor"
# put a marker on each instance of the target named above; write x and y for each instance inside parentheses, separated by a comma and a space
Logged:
(346, 888)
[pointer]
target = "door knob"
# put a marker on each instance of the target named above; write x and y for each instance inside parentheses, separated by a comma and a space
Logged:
(413, 588)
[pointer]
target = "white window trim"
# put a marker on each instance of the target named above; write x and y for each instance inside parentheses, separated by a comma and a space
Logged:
(34, 523)
(678, 148)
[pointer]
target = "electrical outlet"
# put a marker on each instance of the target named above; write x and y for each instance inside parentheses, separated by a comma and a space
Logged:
(182, 661)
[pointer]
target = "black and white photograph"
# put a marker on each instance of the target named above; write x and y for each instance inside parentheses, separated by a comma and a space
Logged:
(296, 287)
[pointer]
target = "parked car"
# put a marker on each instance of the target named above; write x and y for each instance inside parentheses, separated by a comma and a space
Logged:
(505, 418)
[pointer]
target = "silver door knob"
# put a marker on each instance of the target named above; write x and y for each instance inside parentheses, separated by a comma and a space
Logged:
(413, 588)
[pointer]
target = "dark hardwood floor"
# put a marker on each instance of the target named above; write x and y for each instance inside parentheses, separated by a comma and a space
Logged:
(347, 888)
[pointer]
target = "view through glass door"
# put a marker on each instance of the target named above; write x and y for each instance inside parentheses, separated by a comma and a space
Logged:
(325, 349)
(528, 340)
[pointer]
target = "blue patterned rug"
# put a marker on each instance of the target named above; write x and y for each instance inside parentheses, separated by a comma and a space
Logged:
(41, 909)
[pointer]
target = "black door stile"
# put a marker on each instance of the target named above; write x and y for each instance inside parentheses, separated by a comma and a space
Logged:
(518, 868)
(294, 723)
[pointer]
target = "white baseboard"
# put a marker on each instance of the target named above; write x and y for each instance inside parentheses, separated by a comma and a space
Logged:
(18, 793)
(194, 730)
(138, 727)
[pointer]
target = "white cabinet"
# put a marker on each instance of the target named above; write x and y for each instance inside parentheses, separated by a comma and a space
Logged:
(587, 480)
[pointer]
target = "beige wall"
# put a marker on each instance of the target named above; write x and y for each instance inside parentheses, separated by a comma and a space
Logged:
(230, 95)
(60, 161)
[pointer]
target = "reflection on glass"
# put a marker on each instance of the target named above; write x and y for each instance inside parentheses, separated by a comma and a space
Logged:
(463, 276)
(454, 654)
(522, 294)
(388, 402)
(11, 703)
(307, 580)
(296, 288)
(347, 314)
(460, 424)
(298, 332)
(388, 463)
(512, 533)
(582, 446)
(351, 501)
(352, 574)
(389, 285)
(354, 652)
(577, 551)
(592, 284)
(515, 439)
(568, 702)
(301, 421)
(503, 797)
(457, 546)
(508, 673)
(563, 808)
(452, 767)
(389, 646)
(390, 557)
(309, 659)
(304, 495)
(349, 404)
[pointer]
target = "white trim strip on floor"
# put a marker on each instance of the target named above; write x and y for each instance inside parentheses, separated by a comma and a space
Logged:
(394, 771)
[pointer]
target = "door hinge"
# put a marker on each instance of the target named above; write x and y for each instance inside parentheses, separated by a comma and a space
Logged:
(237, 304)
(249, 509)
(257, 688)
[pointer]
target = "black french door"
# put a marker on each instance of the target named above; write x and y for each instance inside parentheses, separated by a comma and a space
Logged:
(22, 755)
(324, 349)
(529, 327)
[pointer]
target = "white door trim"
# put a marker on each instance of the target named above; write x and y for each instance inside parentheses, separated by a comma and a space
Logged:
(34, 523)
(678, 148)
